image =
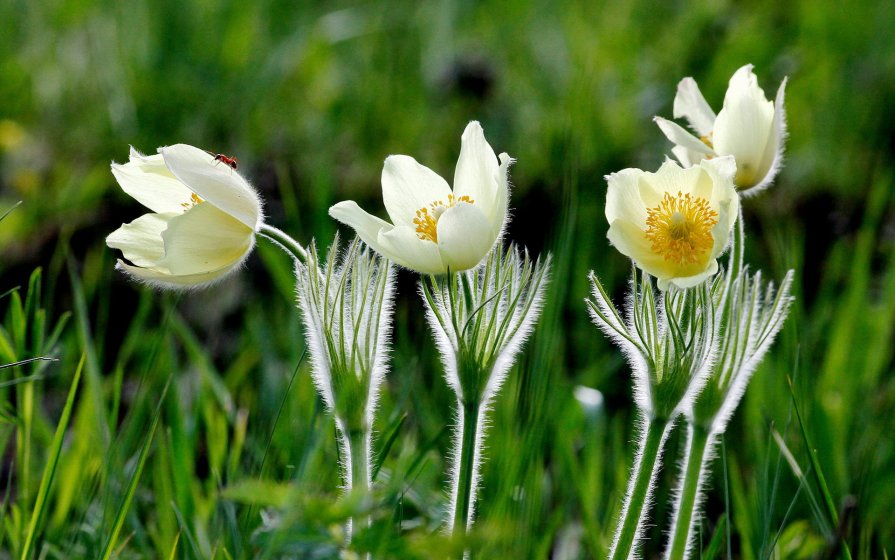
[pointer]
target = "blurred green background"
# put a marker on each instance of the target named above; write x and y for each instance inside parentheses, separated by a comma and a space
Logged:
(311, 98)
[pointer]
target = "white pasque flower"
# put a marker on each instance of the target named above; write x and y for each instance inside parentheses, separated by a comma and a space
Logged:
(203, 221)
(673, 223)
(435, 229)
(749, 127)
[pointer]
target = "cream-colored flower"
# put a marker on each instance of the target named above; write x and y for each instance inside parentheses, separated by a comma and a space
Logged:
(433, 228)
(749, 127)
(676, 222)
(203, 221)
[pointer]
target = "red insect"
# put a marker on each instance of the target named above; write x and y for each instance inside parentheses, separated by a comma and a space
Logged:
(226, 160)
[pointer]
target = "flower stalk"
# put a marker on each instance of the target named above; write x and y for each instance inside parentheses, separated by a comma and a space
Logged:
(346, 305)
(753, 315)
(480, 319)
(670, 342)
(646, 467)
(695, 467)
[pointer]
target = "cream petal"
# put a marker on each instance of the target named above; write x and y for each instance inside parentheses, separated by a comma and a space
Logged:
(156, 160)
(631, 241)
(366, 225)
(670, 178)
(689, 281)
(723, 194)
(401, 245)
(151, 184)
(677, 134)
(774, 149)
(499, 222)
(161, 279)
(623, 198)
(464, 237)
(205, 239)
(690, 104)
(477, 172)
(216, 183)
(408, 186)
(141, 240)
(687, 157)
(744, 126)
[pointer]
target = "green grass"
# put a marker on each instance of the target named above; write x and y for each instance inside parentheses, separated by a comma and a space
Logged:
(239, 459)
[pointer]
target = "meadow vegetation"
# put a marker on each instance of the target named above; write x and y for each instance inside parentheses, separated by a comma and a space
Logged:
(187, 425)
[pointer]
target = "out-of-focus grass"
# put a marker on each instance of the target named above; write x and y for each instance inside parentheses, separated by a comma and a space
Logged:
(311, 99)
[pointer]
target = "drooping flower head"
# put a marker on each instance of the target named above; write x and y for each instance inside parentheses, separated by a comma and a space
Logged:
(203, 221)
(749, 127)
(676, 222)
(434, 229)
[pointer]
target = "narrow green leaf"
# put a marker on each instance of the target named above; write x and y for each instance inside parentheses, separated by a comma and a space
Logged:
(40, 503)
(714, 547)
(389, 441)
(135, 478)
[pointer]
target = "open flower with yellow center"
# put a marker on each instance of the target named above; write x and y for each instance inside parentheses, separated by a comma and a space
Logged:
(676, 222)
(434, 229)
(749, 127)
(203, 221)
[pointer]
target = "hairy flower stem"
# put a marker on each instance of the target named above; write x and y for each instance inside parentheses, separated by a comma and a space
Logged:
(464, 467)
(640, 487)
(355, 468)
(697, 459)
(284, 241)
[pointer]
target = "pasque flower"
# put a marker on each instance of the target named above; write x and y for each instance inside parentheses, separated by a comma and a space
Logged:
(676, 222)
(203, 221)
(749, 127)
(435, 229)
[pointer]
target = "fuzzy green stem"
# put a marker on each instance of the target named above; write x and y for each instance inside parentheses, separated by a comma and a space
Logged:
(696, 461)
(465, 458)
(284, 241)
(359, 469)
(355, 468)
(640, 488)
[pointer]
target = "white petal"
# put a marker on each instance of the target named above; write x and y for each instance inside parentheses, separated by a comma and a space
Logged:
(152, 184)
(141, 240)
(464, 237)
(401, 245)
(687, 157)
(689, 281)
(216, 183)
(623, 197)
(670, 178)
(681, 137)
(477, 173)
(500, 216)
(408, 186)
(774, 149)
(205, 239)
(744, 126)
(161, 279)
(690, 104)
(365, 224)
(631, 241)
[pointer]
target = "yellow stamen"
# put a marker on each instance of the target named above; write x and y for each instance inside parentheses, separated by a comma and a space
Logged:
(707, 140)
(194, 200)
(680, 228)
(426, 220)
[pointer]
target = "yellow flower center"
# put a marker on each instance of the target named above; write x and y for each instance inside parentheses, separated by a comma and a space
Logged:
(194, 200)
(426, 220)
(680, 228)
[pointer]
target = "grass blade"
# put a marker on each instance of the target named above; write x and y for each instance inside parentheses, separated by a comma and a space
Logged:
(135, 478)
(40, 503)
